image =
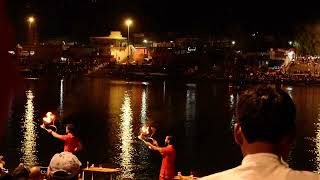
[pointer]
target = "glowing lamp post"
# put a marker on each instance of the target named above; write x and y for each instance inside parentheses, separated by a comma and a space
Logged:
(128, 23)
(31, 21)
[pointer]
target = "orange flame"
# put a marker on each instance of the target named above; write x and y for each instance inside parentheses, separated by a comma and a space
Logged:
(49, 118)
(145, 130)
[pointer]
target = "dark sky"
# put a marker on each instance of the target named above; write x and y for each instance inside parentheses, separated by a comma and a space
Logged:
(82, 18)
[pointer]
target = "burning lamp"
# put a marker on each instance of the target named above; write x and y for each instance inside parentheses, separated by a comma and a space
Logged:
(48, 121)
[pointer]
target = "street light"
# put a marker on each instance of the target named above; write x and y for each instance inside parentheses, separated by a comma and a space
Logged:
(145, 41)
(290, 43)
(128, 23)
(31, 20)
(233, 42)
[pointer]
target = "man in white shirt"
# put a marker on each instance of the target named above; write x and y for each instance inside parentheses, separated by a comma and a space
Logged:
(264, 130)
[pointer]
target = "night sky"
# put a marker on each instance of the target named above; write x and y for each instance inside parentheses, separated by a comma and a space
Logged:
(83, 18)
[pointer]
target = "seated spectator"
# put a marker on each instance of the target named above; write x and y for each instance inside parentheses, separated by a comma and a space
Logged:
(2, 162)
(35, 173)
(6, 176)
(264, 130)
(64, 165)
(20, 173)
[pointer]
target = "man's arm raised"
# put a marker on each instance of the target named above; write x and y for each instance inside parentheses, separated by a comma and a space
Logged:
(56, 135)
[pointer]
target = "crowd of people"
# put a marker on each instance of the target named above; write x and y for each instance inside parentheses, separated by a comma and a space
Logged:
(64, 165)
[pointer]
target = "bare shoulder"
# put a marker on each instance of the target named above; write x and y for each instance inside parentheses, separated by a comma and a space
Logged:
(305, 175)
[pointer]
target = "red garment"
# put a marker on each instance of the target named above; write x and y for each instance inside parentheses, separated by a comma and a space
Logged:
(168, 158)
(70, 143)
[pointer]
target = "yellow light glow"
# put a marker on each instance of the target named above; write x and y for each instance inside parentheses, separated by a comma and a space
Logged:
(128, 22)
(30, 136)
(31, 19)
(126, 134)
(145, 41)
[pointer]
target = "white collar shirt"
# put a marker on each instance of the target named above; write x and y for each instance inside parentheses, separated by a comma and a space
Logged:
(262, 166)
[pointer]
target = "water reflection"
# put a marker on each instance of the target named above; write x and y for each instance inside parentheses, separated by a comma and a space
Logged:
(164, 92)
(189, 124)
(317, 150)
(190, 109)
(126, 137)
(61, 98)
(233, 101)
(317, 140)
(29, 145)
(144, 106)
(289, 90)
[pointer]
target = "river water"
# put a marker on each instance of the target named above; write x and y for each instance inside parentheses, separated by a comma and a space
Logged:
(110, 113)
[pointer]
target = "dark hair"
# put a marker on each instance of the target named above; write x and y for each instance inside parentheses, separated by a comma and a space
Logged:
(265, 114)
(20, 172)
(62, 175)
(71, 128)
(171, 140)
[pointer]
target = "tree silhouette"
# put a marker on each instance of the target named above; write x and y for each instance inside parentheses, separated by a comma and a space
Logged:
(308, 39)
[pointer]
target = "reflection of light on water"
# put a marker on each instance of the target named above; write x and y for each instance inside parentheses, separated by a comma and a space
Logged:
(145, 83)
(189, 124)
(231, 100)
(29, 144)
(317, 141)
(126, 137)
(61, 98)
(191, 85)
(232, 105)
(164, 92)
(144, 151)
(190, 109)
(144, 106)
(289, 90)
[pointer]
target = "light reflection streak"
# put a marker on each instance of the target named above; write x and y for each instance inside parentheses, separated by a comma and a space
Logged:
(126, 137)
(61, 99)
(190, 110)
(144, 106)
(164, 92)
(318, 146)
(189, 124)
(29, 145)
(233, 102)
(289, 90)
(317, 141)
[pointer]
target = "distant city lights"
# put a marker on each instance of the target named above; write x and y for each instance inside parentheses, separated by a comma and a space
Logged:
(191, 49)
(11, 52)
(291, 55)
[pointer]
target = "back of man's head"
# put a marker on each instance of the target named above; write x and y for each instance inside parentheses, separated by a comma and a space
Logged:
(265, 114)
(35, 173)
(171, 140)
(71, 128)
(64, 165)
(20, 172)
